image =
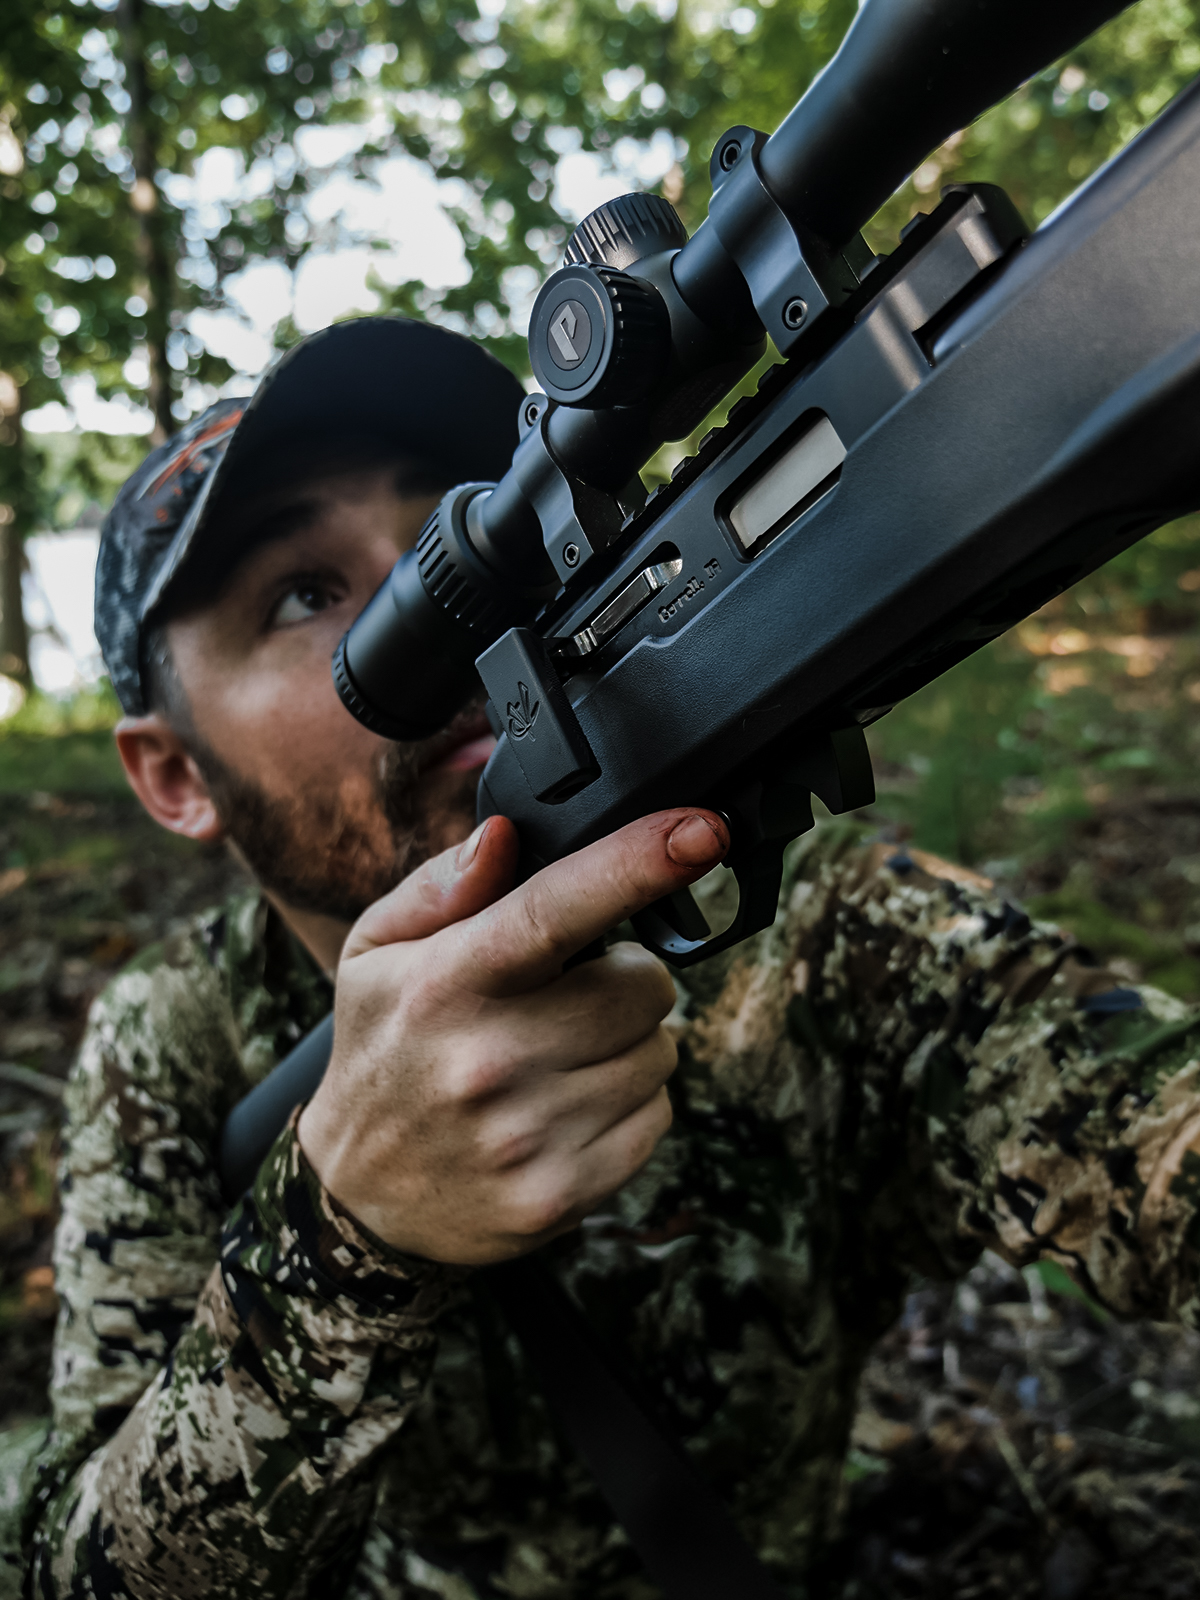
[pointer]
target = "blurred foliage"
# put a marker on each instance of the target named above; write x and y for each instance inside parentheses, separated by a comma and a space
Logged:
(63, 745)
(65, 763)
(494, 94)
(106, 243)
(1095, 696)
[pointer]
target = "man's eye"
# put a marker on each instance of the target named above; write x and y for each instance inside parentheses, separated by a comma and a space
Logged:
(301, 601)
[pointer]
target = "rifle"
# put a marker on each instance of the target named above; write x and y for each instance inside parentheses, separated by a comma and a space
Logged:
(957, 432)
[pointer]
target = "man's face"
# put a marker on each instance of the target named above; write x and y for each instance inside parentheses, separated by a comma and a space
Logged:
(328, 815)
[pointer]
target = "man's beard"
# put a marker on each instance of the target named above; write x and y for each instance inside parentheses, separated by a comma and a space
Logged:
(316, 854)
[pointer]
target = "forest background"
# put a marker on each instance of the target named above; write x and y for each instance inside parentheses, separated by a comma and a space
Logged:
(171, 177)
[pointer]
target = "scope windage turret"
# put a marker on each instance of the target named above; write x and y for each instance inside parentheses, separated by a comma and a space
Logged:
(599, 336)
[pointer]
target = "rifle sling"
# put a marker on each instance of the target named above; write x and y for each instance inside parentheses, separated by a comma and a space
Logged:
(674, 1521)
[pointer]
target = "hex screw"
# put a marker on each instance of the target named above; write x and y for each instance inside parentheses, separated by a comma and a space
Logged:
(729, 154)
(571, 555)
(531, 413)
(794, 314)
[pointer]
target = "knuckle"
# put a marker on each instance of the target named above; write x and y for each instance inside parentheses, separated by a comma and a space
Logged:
(646, 975)
(666, 1051)
(505, 1146)
(478, 1079)
(534, 925)
(545, 923)
(539, 1210)
(651, 1128)
(665, 987)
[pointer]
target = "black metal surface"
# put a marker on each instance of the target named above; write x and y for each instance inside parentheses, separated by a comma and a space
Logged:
(253, 1125)
(537, 717)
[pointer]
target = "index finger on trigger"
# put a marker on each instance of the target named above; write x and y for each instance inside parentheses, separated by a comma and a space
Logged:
(524, 939)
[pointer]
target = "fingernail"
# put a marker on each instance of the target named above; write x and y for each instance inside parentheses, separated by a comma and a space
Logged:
(695, 841)
(466, 850)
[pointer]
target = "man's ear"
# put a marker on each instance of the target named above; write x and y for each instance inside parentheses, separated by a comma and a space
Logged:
(165, 778)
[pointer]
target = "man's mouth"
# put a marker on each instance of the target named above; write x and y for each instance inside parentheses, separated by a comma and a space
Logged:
(464, 747)
(467, 757)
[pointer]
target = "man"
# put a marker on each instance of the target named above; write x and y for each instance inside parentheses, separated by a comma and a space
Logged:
(313, 1394)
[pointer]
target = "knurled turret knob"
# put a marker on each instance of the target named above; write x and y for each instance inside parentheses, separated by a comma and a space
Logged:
(625, 230)
(598, 337)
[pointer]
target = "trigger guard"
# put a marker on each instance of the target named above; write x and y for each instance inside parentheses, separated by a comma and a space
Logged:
(759, 875)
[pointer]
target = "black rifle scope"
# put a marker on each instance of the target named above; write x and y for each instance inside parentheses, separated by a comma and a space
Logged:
(643, 330)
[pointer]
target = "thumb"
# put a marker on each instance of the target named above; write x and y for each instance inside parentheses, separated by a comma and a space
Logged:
(460, 882)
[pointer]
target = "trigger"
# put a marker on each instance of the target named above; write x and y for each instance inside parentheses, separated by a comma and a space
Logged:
(681, 913)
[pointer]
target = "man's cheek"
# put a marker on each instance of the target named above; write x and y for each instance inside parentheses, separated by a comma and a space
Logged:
(446, 806)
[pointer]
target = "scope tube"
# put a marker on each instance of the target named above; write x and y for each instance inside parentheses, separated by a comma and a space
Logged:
(907, 75)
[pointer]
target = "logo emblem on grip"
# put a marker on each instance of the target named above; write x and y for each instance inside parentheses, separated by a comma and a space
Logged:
(522, 714)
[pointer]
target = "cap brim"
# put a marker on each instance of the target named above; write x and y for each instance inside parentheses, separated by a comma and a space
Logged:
(439, 400)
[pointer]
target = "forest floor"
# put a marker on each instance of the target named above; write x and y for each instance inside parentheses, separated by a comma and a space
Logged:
(1012, 1439)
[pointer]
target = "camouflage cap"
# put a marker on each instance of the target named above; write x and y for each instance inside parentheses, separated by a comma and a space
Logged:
(398, 385)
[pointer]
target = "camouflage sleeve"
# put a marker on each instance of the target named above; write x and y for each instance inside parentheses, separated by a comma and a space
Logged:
(141, 1207)
(164, 1463)
(1019, 1095)
(247, 1464)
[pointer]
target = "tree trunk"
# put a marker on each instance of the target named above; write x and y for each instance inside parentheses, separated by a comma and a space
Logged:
(158, 278)
(14, 503)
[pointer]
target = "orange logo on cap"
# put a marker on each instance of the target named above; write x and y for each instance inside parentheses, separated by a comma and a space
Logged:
(194, 447)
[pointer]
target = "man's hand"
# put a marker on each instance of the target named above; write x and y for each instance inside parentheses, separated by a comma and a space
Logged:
(480, 1099)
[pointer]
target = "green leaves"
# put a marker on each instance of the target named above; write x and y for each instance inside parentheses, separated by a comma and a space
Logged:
(106, 113)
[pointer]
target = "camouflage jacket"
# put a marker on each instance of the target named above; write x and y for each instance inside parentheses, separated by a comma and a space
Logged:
(272, 1402)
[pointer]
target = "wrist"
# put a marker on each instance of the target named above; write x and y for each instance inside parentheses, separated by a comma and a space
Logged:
(357, 1214)
(334, 1154)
